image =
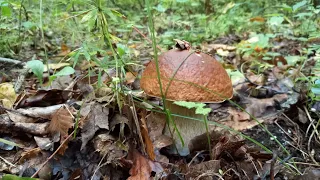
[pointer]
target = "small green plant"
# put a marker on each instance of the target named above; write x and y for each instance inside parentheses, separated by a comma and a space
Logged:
(37, 68)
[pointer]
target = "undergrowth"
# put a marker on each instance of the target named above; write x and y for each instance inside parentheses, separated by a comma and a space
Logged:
(101, 28)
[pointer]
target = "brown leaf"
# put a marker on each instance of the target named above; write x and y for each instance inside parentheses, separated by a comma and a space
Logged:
(145, 136)
(96, 118)
(29, 154)
(64, 146)
(143, 167)
(107, 144)
(44, 98)
(61, 121)
(77, 175)
(257, 19)
(130, 77)
(226, 145)
(196, 170)
(65, 50)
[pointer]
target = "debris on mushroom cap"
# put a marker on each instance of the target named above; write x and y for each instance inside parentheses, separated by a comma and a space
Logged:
(198, 72)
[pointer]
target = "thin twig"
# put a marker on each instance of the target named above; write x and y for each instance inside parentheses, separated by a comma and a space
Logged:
(195, 157)
(6, 161)
(99, 165)
(311, 121)
(304, 154)
(52, 155)
(284, 131)
(309, 164)
(145, 37)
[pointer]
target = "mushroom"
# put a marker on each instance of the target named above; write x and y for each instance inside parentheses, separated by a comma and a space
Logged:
(199, 78)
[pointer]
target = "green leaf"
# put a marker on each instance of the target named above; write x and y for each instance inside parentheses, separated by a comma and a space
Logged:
(112, 15)
(266, 58)
(306, 14)
(6, 11)
(160, 8)
(286, 8)
(87, 55)
(117, 13)
(10, 143)
(292, 60)
(121, 49)
(186, 104)
(316, 87)
(89, 16)
(28, 24)
(199, 107)
(273, 54)
(203, 111)
(76, 58)
(37, 68)
(235, 76)
(65, 71)
(276, 20)
(299, 5)
(13, 177)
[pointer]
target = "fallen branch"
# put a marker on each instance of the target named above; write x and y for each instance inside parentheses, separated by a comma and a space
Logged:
(11, 61)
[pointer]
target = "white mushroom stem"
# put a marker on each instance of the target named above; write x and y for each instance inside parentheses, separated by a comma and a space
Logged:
(188, 128)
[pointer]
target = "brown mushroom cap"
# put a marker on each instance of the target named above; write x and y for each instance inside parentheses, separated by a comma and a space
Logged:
(198, 70)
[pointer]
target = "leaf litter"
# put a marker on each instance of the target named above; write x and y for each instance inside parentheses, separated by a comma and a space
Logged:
(106, 144)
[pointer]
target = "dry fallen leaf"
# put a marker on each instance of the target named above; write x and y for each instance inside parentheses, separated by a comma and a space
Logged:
(65, 50)
(130, 77)
(107, 144)
(29, 154)
(226, 145)
(257, 19)
(142, 167)
(146, 137)
(44, 98)
(61, 121)
(7, 95)
(207, 166)
(96, 118)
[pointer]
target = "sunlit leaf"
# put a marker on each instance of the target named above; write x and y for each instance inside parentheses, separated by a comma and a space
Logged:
(235, 76)
(299, 5)
(200, 107)
(7, 95)
(10, 143)
(5, 11)
(121, 49)
(276, 20)
(76, 58)
(316, 87)
(292, 60)
(160, 8)
(117, 13)
(203, 111)
(14, 177)
(28, 25)
(90, 15)
(65, 71)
